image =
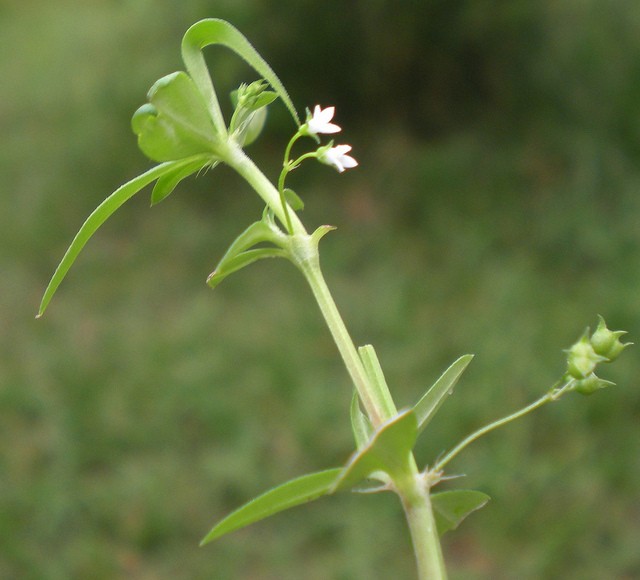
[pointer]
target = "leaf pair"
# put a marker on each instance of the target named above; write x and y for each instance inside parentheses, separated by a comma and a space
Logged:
(182, 127)
(380, 455)
(243, 252)
(391, 442)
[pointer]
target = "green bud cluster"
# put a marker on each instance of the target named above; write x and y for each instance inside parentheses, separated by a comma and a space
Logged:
(250, 102)
(583, 357)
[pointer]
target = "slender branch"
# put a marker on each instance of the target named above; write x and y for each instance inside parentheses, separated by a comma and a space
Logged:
(546, 398)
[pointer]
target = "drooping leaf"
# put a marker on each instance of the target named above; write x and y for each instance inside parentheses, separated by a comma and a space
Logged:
(295, 492)
(451, 507)
(167, 183)
(374, 372)
(98, 217)
(215, 31)
(176, 122)
(386, 451)
(360, 424)
(240, 261)
(429, 404)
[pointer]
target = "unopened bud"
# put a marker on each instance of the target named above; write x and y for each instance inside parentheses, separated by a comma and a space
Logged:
(607, 342)
(591, 384)
(582, 358)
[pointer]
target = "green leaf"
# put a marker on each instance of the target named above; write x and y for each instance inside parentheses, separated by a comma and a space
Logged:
(429, 404)
(98, 217)
(167, 183)
(387, 451)
(295, 492)
(238, 255)
(240, 261)
(175, 123)
(451, 507)
(376, 378)
(215, 31)
(293, 199)
(360, 424)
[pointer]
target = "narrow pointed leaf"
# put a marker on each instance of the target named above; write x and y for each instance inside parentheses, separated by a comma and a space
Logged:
(240, 261)
(373, 369)
(451, 507)
(168, 182)
(295, 492)
(256, 233)
(427, 407)
(238, 255)
(360, 424)
(97, 218)
(387, 451)
(215, 31)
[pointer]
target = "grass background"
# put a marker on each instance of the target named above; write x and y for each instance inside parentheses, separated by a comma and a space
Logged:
(495, 212)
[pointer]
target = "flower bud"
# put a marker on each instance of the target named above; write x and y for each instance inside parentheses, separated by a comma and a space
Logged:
(582, 358)
(591, 384)
(606, 342)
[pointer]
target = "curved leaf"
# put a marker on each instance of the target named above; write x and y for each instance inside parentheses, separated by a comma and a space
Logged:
(215, 31)
(285, 496)
(168, 182)
(175, 123)
(451, 507)
(387, 451)
(98, 217)
(429, 404)
(240, 261)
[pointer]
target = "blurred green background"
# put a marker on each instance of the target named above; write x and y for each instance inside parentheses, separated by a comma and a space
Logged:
(495, 211)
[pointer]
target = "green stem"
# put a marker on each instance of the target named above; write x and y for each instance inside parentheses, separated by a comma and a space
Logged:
(414, 495)
(410, 485)
(235, 157)
(374, 407)
(546, 398)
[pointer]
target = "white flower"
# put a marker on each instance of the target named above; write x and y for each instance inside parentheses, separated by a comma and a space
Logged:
(337, 157)
(319, 122)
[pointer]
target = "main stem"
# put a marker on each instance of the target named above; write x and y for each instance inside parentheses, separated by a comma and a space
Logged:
(416, 502)
(373, 406)
(410, 484)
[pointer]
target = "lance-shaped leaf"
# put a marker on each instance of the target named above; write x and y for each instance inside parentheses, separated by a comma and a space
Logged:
(99, 216)
(429, 404)
(360, 424)
(295, 492)
(376, 379)
(168, 182)
(176, 122)
(238, 262)
(451, 507)
(240, 255)
(386, 451)
(215, 31)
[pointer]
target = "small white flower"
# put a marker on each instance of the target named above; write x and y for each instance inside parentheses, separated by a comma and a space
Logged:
(319, 122)
(337, 157)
